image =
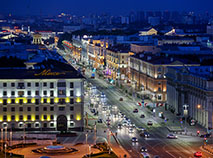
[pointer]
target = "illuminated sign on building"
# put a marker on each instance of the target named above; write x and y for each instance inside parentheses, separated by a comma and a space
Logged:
(49, 73)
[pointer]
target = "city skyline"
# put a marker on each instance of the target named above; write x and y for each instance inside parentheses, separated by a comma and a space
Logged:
(54, 7)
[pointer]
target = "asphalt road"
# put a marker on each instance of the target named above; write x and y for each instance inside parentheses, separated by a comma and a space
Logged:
(157, 144)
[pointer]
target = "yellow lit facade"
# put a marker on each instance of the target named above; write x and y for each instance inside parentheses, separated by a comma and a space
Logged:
(43, 110)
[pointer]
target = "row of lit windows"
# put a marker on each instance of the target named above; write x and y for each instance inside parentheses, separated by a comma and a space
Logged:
(36, 125)
(38, 101)
(21, 93)
(21, 85)
(30, 118)
(13, 109)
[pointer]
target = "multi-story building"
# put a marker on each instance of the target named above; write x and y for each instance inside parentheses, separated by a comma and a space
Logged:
(42, 96)
(191, 86)
(148, 71)
(117, 62)
(139, 48)
(96, 52)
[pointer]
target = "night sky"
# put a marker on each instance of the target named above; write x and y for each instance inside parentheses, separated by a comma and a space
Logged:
(80, 7)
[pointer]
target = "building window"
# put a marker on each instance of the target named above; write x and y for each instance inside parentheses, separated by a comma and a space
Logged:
(29, 117)
(159, 97)
(61, 84)
(45, 92)
(71, 116)
(37, 93)
(159, 89)
(45, 117)
(20, 117)
(45, 100)
(21, 85)
(20, 101)
(37, 125)
(12, 84)
(5, 117)
(12, 93)
(71, 101)
(12, 117)
(28, 101)
(71, 93)
(4, 84)
(61, 108)
(28, 108)
(44, 108)
(4, 93)
(61, 92)
(12, 109)
(72, 124)
(4, 101)
(36, 108)
(20, 108)
(37, 84)
(159, 83)
(4, 109)
(28, 84)
(45, 84)
(37, 117)
(51, 84)
(52, 108)
(71, 85)
(29, 93)
(37, 101)
(52, 93)
(51, 124)
(51, 101)
(51, 117)
(61, 101)
(71, 108)
(13, 101)
(20, 93)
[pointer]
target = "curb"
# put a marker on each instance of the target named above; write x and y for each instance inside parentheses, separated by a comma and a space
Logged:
(206, 150)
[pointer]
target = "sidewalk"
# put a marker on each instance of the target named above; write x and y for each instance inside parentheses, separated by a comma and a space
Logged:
(208, 148)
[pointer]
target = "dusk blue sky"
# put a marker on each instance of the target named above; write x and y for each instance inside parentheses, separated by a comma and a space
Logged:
(80, 7)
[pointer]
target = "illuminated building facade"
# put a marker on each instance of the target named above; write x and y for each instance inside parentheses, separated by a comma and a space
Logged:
(148, 72)
(117, 62)
(192, 86)
(46, 96)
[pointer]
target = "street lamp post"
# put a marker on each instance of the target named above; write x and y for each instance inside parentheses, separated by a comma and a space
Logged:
(86, 137)
(185, 113)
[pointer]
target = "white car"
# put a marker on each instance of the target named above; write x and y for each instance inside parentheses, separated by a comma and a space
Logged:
(131, 130)
(171, 136)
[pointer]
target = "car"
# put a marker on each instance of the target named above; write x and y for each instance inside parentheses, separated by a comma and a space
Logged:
(134, 139)
(143, 149)
(121, 99)
(135, 111)
(131, 130)
(171, 136)
(108, 123)
(145, 155)
(145, 134)
(198, 154)
(119, 126)
(92, 110)
(149, 123)
(142, 116)
(141, 129)
(108, 120)
(156, 156)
